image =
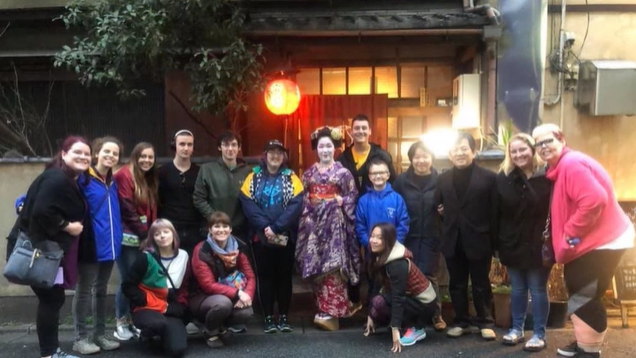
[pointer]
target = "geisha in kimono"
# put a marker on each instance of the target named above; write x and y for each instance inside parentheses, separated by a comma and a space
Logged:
(327, 250)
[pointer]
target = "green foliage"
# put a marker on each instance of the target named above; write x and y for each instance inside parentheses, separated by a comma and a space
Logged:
(126, 41)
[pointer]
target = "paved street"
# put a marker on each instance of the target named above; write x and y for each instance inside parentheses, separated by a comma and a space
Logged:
(349, 342)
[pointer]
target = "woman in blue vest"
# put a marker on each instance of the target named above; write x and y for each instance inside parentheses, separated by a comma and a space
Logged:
(100, 246)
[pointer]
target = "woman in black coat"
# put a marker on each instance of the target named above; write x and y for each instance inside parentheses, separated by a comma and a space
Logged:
(417, 187)
(55, 210)
(523, 193)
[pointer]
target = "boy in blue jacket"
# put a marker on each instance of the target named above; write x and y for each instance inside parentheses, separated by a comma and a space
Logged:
(380, 204)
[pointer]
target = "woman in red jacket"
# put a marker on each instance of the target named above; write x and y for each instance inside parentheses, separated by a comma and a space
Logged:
(590, 233)
(137, 190)
(225, 281)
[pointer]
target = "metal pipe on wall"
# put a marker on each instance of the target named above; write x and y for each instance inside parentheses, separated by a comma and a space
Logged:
(561, 45)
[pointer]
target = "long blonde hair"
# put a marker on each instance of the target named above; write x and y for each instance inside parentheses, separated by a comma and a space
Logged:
(507, 166)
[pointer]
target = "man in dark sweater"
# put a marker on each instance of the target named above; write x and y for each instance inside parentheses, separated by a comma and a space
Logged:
(176, 186)
(357, 156)
(466, 197)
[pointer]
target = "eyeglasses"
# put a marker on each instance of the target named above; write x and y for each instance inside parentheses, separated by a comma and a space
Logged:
(183, 178)
(375, 174)
(544, 143)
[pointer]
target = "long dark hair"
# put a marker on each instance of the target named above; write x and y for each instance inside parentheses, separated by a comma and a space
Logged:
(389, 237)
(58, 162)
(146, 184)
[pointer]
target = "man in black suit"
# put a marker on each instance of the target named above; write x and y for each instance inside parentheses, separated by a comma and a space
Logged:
(466, 202)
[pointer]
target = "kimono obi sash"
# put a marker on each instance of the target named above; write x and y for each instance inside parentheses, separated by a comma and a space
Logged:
(323, 191)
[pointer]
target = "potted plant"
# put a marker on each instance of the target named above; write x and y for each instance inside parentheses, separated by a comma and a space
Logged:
(501, 294)
(558, 295)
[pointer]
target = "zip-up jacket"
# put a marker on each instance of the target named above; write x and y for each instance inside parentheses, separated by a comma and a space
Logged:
(208, 269)
(147, 286)
(381, 206)
(103, 243)
(217, 189)
(274, 200)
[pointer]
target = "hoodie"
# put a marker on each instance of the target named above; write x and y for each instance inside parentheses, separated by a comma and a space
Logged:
(362, 176)
(381, 206)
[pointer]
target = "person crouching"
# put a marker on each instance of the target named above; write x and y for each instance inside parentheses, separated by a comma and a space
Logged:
(407, 298)
(226, 282)
(157, 287)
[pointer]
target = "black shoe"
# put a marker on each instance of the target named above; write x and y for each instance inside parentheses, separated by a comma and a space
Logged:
(582, 354)
(568, 351)
(283, 324)
(270, 327)
(215, 342)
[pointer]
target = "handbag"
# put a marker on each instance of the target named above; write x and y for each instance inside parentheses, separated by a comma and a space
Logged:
(236, 279)
(31, 266)
(547, 251)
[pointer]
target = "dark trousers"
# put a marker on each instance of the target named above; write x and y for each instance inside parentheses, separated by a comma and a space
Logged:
(426, 256)
(587, 278)
(170, 330)
(189, 237)
(50, 301)
(274, 266)
(460, 268)
(416, 314)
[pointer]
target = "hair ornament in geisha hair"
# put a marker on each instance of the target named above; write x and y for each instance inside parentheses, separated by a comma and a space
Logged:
(334, 133)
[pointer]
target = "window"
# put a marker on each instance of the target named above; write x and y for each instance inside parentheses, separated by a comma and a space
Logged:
(386, 81)
(412, 79)
(360, 80)
(334, 81)
(308, 81)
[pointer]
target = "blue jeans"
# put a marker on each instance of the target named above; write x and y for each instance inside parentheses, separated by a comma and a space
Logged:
(124, 263)
(536, 281)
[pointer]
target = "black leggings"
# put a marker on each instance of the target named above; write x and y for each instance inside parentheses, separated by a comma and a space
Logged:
(274, 266)
(587, 278)
(50, 302)
(171, 330)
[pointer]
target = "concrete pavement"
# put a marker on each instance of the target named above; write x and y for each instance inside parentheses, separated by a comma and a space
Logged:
(306, 341)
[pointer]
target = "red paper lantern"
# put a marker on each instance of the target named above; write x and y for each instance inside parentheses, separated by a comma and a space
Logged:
(282, 97)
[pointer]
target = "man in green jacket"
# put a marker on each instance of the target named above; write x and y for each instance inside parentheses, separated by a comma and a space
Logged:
(219, 183)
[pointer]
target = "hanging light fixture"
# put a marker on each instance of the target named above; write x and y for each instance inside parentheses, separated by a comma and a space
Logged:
(282, 96)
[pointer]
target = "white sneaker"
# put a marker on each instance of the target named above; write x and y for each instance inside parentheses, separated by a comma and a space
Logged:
(123, 333)
(134, 330)
(192, 328)
(84, 347)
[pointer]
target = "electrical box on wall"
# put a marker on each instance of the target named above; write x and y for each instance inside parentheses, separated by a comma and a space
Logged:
(466, 101)
(607, 87)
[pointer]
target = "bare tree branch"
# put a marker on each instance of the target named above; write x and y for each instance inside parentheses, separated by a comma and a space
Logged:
(5, 29)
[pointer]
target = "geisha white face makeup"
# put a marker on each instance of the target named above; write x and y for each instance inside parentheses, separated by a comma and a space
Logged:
(326, 150)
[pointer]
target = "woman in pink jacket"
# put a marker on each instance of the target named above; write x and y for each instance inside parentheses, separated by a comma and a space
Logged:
(590, 233)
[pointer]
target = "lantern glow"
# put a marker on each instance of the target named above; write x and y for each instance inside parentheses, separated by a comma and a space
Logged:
(282, 97)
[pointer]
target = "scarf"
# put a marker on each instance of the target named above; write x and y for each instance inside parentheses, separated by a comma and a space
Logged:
(227, 255)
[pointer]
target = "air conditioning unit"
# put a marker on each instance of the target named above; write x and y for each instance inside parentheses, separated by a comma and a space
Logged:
(607, 87)
(467, 101)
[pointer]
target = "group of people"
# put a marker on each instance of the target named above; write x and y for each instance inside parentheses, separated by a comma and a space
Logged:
(194, 245)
